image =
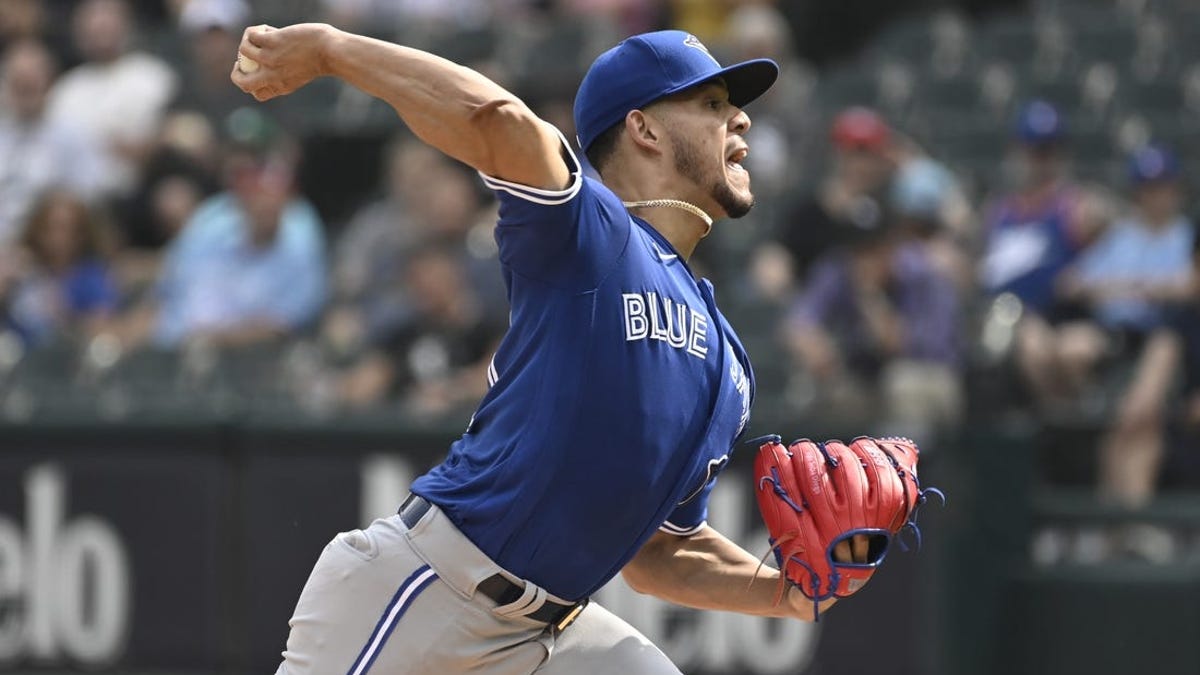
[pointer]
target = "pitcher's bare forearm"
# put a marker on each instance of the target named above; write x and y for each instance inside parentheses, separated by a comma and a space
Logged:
(452, 108)
(708, 571)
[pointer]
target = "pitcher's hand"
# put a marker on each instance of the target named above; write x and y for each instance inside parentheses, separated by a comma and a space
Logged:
(288, 58)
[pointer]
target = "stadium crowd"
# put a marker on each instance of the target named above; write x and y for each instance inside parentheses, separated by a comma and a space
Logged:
(149, 207)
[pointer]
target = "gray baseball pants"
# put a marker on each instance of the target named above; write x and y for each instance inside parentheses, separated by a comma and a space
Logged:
(393, 601)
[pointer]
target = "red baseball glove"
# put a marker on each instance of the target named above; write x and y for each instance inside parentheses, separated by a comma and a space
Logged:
(832, 510)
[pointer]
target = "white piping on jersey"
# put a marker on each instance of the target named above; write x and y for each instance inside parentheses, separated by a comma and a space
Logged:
(543, 197)
(717, 464)
(492, 375)
(538, 195)
(671, 528)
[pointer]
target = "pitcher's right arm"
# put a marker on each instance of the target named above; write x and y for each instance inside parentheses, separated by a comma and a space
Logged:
(452, 108)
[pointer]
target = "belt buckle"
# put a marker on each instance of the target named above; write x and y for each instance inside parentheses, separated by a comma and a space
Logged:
(571, 616)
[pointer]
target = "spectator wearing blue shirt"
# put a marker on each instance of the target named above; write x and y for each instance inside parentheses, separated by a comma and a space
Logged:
(1031, 237)
(1129, 282)
(876, 330)
(1144, 262)
(249, 266)
(62, 285)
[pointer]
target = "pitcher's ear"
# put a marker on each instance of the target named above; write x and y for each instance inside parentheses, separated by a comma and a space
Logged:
(644, 130)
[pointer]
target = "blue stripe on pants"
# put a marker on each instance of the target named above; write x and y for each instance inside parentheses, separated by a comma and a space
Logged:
(404, 597)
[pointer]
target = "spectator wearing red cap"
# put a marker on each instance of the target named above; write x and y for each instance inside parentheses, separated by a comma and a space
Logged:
(851, 199)
(861, 128)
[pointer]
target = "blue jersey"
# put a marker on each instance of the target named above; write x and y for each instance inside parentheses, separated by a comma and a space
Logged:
(616, 395)
(1028, 248)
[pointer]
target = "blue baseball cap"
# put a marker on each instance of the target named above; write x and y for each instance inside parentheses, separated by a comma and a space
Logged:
(1151, 164)
(647, 67)
(1039, 123)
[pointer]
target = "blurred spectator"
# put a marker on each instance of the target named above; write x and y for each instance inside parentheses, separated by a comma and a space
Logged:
(117, 96)
(64, 286)
(385, 17)
(706, 19)
(1032, 235)
(1130, 274)
(212, 29)
(249, 265)
(851, 199)
(368, 275)
(876, 330)
(1180, 462)
(627, 16)
(783, 141)
(428, 200)
(37, 153)
(21, 20)
(44, 21)
(438, 359)
(930, 208)
(180, 173)
(1127, 283)
(785, 123)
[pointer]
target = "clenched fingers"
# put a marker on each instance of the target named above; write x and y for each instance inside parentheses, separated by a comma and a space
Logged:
(257, 36)
(251, 83)
(253, 46)
(855, 549)
(862, 547)
(841, 551)
(252, 51)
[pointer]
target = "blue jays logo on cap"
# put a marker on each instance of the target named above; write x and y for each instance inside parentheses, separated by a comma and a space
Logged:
(649, 66)
(693, 41)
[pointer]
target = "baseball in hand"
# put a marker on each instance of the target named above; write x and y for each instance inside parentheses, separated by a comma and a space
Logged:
(246, 64)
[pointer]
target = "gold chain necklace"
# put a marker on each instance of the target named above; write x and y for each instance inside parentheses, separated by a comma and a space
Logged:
(675, 204)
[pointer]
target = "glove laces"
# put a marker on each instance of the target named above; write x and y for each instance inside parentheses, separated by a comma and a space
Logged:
(911, 525)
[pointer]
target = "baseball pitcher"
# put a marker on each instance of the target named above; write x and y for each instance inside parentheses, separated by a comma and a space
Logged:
(616, 396)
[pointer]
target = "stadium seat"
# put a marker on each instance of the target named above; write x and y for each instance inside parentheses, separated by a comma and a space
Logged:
(907, 39)
(1154, 95)
(1009, 38)
(847, 87)
(961, 93)
(1100, 39)
(896, 86)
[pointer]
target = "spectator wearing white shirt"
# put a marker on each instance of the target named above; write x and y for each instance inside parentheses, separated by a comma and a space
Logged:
(36, 153)
(117, 95)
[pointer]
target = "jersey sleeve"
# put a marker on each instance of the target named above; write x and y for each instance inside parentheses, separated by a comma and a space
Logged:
(569, 237)
(691, 516)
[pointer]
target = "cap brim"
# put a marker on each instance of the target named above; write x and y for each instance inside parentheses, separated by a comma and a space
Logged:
(746, 80)
(749, 80)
